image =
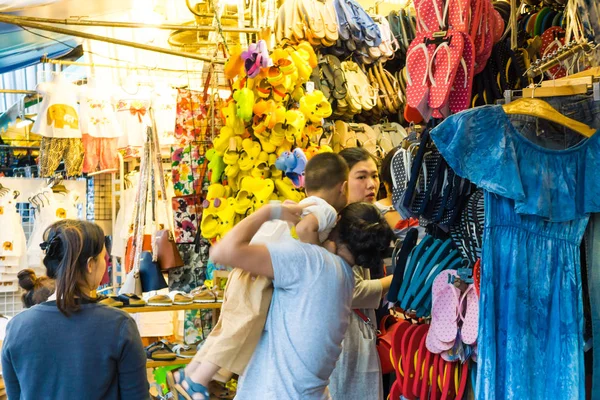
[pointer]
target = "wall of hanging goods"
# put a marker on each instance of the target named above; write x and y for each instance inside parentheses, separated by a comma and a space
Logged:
(470, 125)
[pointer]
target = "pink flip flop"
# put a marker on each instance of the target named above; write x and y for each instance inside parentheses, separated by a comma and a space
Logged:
(460, 94)
(443, 66)
(444, 313)
(470, 319)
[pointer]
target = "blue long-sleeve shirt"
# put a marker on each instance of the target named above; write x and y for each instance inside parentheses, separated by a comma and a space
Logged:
(95, 353)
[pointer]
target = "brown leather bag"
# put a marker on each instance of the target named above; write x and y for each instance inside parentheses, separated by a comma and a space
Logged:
(168, 254)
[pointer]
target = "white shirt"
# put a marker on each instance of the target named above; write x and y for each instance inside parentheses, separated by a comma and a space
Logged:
(58, 116)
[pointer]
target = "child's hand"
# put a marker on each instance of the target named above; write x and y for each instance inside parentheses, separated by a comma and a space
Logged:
(290, 212)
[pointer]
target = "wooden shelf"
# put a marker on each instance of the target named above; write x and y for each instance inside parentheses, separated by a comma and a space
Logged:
(195, 306)
(157, 364)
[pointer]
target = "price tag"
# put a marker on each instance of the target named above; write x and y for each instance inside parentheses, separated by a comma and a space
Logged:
(310, 87)
(270, 62)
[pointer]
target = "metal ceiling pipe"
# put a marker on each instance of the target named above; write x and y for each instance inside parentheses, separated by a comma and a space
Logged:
(116, 24)
(9, 19)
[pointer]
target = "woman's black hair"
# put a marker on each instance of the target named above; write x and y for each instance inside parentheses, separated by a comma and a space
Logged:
(37, 289)
(354, 155)
(366, 234)
(69, 245)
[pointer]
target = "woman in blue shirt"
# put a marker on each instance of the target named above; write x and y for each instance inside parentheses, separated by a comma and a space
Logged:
(71, 347)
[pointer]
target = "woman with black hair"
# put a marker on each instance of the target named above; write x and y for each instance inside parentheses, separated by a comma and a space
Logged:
(37, 289)
(71, 347)
(312, 296)
(357, 374)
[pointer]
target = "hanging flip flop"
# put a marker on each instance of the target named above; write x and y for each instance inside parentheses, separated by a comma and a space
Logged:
(417, 86)
(460, 93)
(442, 70)
(470, 319)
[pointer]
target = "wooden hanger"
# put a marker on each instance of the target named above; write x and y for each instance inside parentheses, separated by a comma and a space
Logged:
(539, 108)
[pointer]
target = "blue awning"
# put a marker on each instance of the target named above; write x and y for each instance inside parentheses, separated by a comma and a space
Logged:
(19, 48)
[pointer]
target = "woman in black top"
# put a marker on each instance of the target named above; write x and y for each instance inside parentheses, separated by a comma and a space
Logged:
(71, 347)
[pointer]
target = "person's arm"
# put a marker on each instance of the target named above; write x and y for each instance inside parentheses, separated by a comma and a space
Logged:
(235, 250)
(368, 292)
(13, 389)
(308, 230)
(133, 381)
(392, 218)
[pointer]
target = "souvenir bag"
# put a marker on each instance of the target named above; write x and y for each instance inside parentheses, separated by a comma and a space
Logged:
(165, 251)
(133, 282)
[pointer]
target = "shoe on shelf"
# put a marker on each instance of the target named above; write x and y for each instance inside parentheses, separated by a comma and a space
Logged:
(184, 351)
(203, 295)
(180, 298)
(111, 301)
(160, 351)
(219, 293)
(131, 300)
(160, 300)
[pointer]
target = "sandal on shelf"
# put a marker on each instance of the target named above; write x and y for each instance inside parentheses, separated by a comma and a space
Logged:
(203, 295)
(160, 351)
(111, 301)
(181, 298)
(160, 300)
(131, 300)
(184, 351)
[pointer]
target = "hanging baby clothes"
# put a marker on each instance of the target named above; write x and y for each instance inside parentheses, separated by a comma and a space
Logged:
(13, 244)
(99, 127)
(58, 124)
(59, 206)
(133, 116)
(537, 204)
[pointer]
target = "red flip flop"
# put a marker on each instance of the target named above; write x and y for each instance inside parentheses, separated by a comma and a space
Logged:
(460, 94)
(426, 15)
(464, 375)
(418, 59)
(446, 372)
(397, 337)
(443, 66)
(458, 15)
(477, 276)
(499, 25)
(422, 370)
(479, 39)
(410, 369)
(552, 39)
(435, 393)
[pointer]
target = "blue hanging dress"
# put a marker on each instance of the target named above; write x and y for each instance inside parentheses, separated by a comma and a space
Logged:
(537, 205)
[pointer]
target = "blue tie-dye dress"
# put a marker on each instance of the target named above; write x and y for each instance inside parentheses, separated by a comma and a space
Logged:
(537, 203)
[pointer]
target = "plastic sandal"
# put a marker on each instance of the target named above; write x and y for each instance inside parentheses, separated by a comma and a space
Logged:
(215, 165)
(193, 388)
(244, 100)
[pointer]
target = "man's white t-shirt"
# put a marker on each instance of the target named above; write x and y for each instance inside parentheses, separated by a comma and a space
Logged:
(307, 320)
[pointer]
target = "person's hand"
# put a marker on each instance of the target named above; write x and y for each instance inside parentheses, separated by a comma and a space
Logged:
(289, 211)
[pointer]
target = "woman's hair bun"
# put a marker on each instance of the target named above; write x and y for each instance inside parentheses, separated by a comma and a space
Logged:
(27, 279)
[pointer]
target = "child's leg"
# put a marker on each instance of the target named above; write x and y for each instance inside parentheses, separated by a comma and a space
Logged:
(204, 373)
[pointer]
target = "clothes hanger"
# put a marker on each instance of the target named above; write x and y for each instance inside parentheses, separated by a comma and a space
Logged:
(536, 107)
